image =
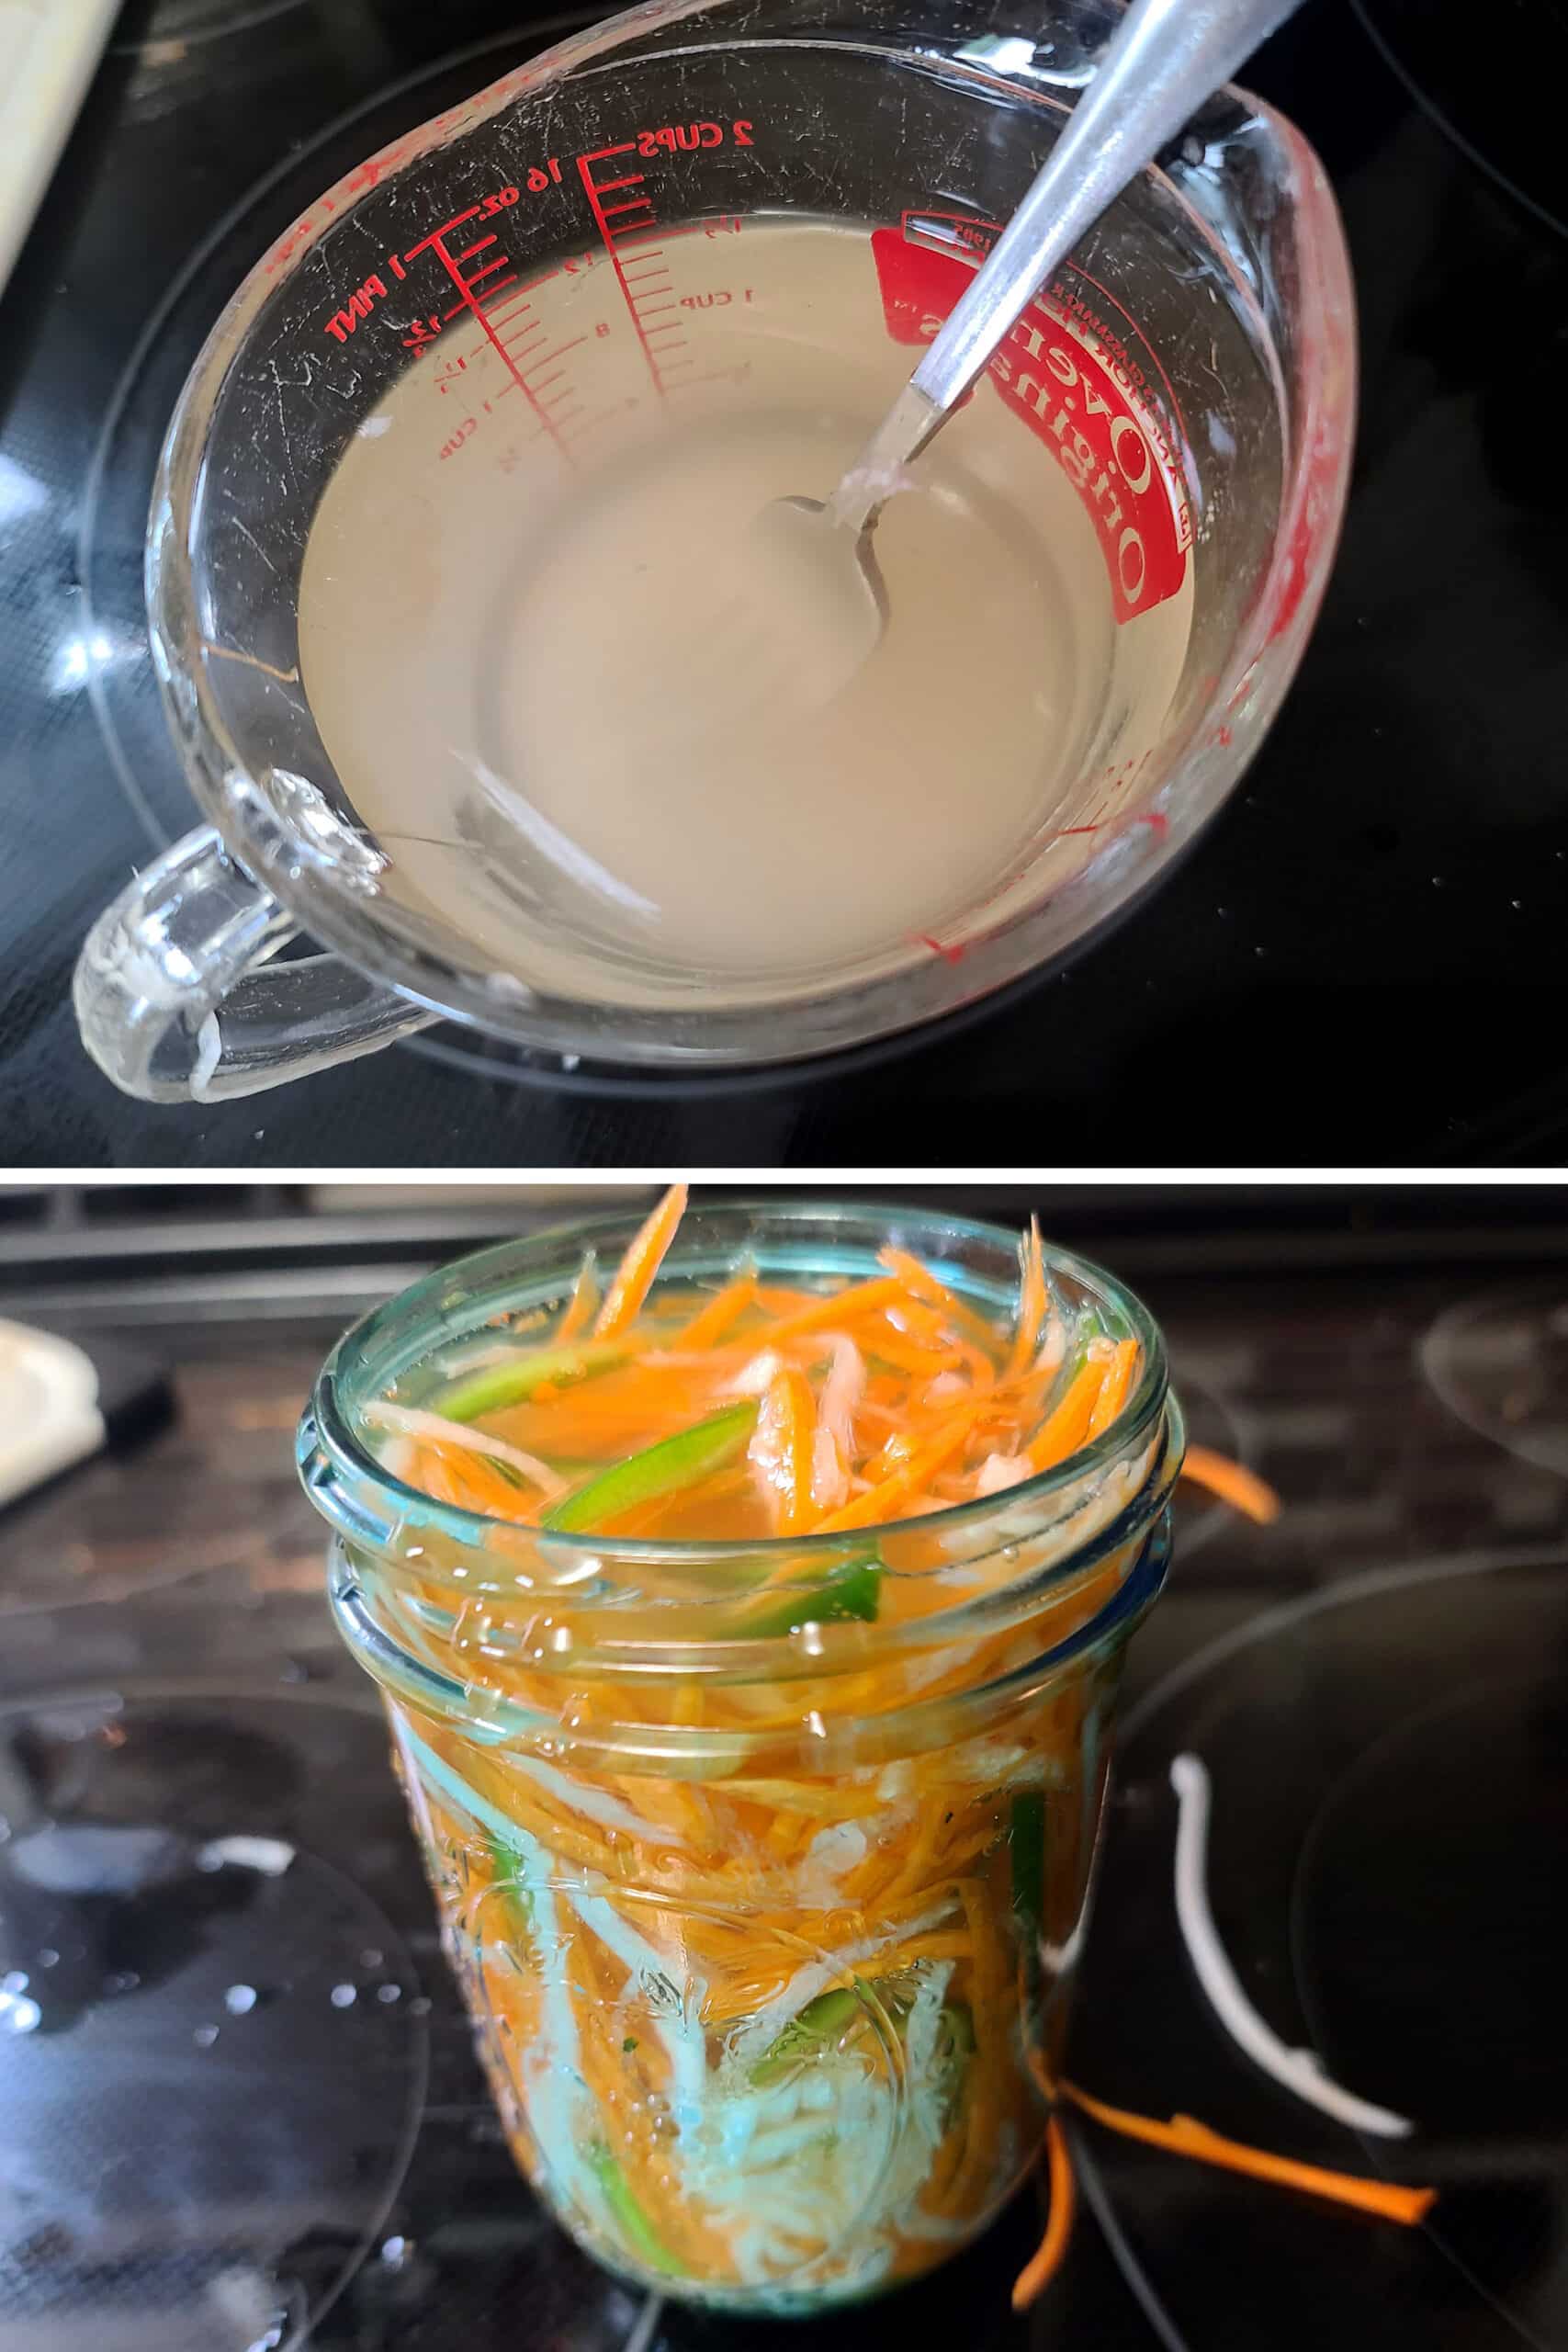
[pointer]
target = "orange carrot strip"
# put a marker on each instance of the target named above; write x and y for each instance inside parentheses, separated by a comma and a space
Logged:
(778, 1298)
(1243, 1489)
(1113, 1392)
(888, 1495)
(634, 1274)
(580, 1306)
(1037, 2275)
(1185, 2136)
(453, 1475)
(1031, 1301)
(858, 1298)
(889, 1345)
(1065, 1428)
(920, 1322)
(782, 1446)
(724, 1309)
(919, 1280)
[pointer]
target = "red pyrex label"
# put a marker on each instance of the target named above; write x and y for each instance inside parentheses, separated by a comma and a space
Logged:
(1065, 392)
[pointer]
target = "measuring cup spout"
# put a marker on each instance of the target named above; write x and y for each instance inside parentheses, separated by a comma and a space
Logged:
(178, 998)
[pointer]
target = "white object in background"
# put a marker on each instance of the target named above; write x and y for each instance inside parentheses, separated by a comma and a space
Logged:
(1301, 2071)
(49, 1408)
(49, 52)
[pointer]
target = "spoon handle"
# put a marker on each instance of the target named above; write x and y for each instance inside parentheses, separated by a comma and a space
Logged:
(1165, 59)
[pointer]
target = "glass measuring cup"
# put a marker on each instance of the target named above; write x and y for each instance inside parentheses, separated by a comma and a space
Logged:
(767, 1938)
(541, 273)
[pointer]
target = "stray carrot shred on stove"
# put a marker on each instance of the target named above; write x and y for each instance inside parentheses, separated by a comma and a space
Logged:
(1038, 2273)
(1242, 1489)
(1185, 2136)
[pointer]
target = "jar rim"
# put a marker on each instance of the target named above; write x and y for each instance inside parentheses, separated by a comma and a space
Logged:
(380, 1347)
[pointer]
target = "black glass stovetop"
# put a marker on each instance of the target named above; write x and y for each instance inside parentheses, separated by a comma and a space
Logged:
(1359, 963)
(239, 2107)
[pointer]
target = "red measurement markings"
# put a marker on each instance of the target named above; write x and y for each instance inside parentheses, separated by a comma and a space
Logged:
(515, 314)
(360, 305)
(646, 283)
(472, 300)
(437, 236)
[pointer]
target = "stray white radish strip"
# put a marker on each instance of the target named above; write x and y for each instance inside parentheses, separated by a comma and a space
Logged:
(1300, 2071)
(409, 1421)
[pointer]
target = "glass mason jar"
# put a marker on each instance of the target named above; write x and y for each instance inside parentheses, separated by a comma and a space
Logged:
(768, 1939)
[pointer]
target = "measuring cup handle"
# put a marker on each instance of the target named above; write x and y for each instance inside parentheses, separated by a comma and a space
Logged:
(178, 997)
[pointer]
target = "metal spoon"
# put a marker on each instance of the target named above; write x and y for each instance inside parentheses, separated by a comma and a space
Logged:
(1166, 58)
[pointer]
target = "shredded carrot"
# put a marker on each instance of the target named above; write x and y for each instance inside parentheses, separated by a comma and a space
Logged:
(1032, 1301)
(892, 1494)
(634, 1274)
(782, 1445)
(580, 1306)
(1037, 2274)
(838, 1307)
(1242, 1489)
(1068, 1426)
(920, 1282)
(885, 1341)
(1185, 2136)
(724, 1309)
(1113, 1391)
(470, 1482)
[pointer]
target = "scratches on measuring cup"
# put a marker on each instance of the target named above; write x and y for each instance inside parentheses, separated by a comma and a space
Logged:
(285, 432)
(244, 528)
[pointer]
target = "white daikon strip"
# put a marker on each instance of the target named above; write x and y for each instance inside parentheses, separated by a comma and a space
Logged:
(1300, 2071)
(408, 1420)
(842, 1394)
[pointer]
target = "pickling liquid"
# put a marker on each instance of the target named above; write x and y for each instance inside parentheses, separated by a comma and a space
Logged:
(573, 723)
